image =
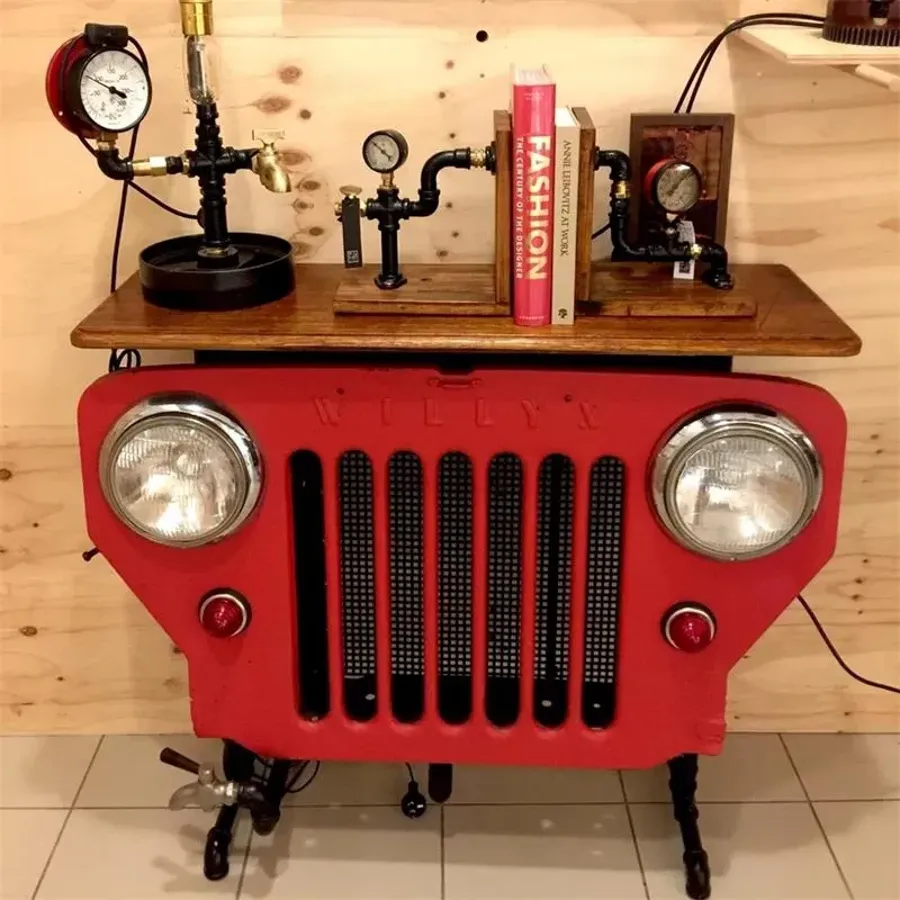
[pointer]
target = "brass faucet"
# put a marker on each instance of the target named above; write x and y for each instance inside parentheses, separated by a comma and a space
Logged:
(267, 163)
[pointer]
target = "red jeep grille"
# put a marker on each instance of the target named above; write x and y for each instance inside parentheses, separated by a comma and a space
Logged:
(479, 651)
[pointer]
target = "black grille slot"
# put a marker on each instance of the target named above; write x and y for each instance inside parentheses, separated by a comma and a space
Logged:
(407, 601)
(358, 584)
(556, 481)
(504, 588)
(455, 588)
(604, 566)
(308, 506)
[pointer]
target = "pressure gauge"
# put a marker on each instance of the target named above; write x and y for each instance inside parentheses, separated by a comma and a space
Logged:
(674, 186)
(110, 90)
(385, 151)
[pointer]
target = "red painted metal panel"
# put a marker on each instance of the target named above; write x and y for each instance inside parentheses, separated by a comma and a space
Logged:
(246, 688)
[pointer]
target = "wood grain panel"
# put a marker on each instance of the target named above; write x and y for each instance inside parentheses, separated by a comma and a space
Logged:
(815, 184)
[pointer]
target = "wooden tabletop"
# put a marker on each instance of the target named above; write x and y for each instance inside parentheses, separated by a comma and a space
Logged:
(791, 321)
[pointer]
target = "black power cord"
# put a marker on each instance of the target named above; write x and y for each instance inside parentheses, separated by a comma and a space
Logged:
(794, 20)
(292, 787)
(840, 660)
(791, 20)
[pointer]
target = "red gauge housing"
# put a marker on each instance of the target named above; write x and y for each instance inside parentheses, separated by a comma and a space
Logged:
(61, 66)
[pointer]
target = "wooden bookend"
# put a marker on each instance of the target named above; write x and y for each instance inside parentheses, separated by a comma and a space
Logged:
(585, 226)
(503, 280)
(453, 289)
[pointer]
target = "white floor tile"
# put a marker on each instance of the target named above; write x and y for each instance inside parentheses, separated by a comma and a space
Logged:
(751, 767)
(865, 837)
(540, 853)
(848, 766)
(765, 851)
(127, 771)
(137, 854)
(43, 772)
(514, 784)
(347, 854)
(27, 837)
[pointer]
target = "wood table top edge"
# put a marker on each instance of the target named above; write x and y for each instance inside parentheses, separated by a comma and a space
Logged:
(107, 328)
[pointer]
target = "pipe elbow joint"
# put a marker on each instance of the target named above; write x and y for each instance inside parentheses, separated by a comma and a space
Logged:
(113, 166)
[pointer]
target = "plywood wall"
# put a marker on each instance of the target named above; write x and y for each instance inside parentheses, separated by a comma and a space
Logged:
(816, 185)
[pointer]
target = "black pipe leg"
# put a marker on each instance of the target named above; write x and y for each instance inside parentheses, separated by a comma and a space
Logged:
(440, 782)
(237, 765)
(274, 791)
(218, 844)
(683, 786)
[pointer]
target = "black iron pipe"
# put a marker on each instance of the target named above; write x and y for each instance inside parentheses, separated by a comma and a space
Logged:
(429, 193)
(209, 148)
(113, 166)
(703, 249)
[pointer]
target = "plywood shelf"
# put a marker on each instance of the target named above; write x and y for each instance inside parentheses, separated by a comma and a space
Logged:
(807, 47)
(791, 320)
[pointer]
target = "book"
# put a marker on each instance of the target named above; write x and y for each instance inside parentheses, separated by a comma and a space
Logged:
(534, 114)
(565, 217)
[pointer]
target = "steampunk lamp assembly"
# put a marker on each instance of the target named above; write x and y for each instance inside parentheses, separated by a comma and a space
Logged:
(384, 152)
(180, 472)
(98, 86)
(737, 485)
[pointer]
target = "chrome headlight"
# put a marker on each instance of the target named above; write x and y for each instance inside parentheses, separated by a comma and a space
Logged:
(737, 485)
(179, 471)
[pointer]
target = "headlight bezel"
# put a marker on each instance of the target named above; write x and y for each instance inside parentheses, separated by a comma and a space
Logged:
(710, 425)
(206, 415)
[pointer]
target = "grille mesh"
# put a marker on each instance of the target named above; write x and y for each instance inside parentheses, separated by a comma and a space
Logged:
(554, 567)
(405, 514)
(358, 581)
(504, 565)
(554, 490)
(455, 565)
(604, 563)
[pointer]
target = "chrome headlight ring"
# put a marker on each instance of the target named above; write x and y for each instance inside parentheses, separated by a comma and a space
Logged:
(703, 431)
(216, 426)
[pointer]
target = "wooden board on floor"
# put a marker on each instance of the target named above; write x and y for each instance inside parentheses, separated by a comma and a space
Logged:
(429, 291)
(652, 292)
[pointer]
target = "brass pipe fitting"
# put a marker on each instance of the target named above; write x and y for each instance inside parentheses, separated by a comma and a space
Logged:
(267, 164)
(153, 166)
(622, 190)
(196, 18)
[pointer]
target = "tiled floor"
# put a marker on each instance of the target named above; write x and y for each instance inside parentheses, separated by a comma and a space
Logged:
(793, 818)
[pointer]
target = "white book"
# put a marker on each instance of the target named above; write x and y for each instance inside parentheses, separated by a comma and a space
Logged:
(565, 218)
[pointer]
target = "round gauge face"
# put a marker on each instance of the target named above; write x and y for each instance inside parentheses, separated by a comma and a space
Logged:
(114, 90)
(385, 151)
(678, 187)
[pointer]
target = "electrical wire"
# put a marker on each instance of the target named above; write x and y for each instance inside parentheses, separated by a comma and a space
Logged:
(794, 20)
(302, 767)
(697, 76)
(409, 769)
(840, 660)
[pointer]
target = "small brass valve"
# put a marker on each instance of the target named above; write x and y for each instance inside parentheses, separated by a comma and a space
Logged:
(267, 163)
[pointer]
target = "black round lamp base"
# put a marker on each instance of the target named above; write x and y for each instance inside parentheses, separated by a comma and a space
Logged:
(260, 271)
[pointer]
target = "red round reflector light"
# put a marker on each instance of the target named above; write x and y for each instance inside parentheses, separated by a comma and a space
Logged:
(224, 615)
(689, 628)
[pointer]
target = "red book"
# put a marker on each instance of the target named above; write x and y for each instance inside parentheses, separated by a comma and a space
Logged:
(534, 160)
